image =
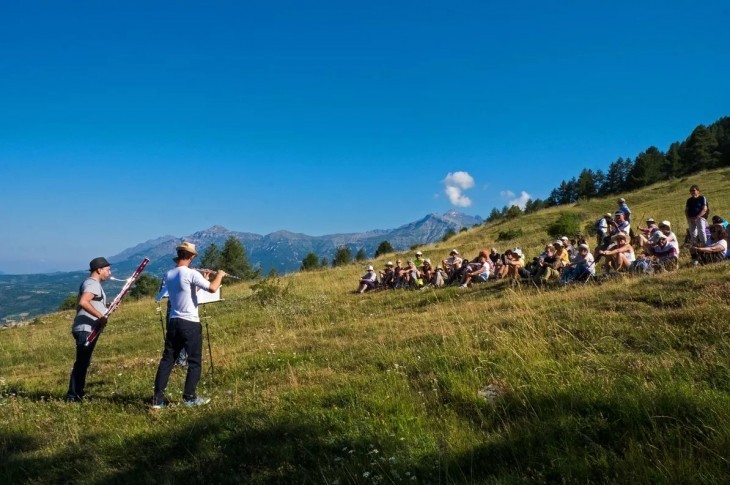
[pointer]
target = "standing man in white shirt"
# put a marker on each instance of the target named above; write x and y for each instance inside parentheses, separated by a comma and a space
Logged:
(183, 328)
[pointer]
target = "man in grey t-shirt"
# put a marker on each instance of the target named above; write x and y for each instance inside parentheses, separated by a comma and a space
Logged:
(91, 307)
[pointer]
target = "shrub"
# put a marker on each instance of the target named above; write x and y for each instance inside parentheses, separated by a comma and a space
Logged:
(567, 223)
(509, 234)
(269, 290)
(449, 234)
(69, 303)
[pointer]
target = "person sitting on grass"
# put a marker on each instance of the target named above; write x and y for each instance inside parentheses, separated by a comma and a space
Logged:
(410, 274)
(665, 227)
(427, 271)
(721, 221)
(419, 259)
(645, 233)
(581, 267)
(451, 263)
(387, 275)
(547, 265)
(368, 280)
(664, 255)
(438, 279)
(398, 274)
(568, 247)
(715, 250)
(477, 273)
(562, 254)
(619, 255)
(515, 265)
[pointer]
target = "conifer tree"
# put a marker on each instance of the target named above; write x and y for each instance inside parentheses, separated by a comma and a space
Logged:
(310, 262)
(342, 256)
(234, 259)
(384, 248)
(211, 257)
(360, 255)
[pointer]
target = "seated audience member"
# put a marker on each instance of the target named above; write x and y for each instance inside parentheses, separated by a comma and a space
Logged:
(665, 256)
(645, 233)
(449, 263)
(721, 221)
(581, 267)
(547, 265)
(411, 275)
(665, 227)
(514, 268)
(602, 230)
(426, 270)
(568, 246)
(368, 280)
(620, 254)
(398, 274)
(494, 256)
(715, 250)
(562, 254)
(418, 261)
(619, 224)
(387, 275)
(477, 273)
(439, 277)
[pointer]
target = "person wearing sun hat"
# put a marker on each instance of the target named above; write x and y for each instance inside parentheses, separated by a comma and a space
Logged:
(183, 327)
(387, 275)
(620, 254)
(368, 280)
(91, 306)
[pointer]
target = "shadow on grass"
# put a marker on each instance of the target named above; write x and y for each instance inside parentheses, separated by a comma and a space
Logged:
(647, 437)
(229, 447)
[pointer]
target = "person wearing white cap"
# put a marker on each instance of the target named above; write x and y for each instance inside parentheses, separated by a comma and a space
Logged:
(665, 227)
(568, 247)
(664, 255)
(451, 263)
(581, 267)
(368, 280)
(183, 328)
(418, 261)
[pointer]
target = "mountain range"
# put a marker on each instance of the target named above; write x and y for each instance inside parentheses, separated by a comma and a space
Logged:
(26, 296)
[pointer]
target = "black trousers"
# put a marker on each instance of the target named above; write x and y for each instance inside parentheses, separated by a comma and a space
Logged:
(77, 382)
(181, 334)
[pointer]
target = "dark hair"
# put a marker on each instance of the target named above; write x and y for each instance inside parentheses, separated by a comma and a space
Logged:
(720, 231)
(182, 254)
(693, 187)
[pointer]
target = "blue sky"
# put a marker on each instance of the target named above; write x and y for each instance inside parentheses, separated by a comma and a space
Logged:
(125, 122)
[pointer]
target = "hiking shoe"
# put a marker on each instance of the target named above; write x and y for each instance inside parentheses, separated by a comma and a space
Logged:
(198, 401)
(159, 405)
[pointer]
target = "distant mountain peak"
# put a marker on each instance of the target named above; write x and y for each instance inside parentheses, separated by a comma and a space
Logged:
(217, 229)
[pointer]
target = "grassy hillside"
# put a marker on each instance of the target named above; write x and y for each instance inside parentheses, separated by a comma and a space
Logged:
(627, 381)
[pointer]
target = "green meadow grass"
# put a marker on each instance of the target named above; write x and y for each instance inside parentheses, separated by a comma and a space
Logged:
(627, 381)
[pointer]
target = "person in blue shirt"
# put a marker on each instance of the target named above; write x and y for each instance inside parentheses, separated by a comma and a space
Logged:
(625, 209)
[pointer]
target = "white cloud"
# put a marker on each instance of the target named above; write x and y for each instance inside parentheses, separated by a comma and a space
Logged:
(520, 201)
(507, 194)
(456, 183)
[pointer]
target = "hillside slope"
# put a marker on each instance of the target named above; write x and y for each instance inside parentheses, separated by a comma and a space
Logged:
(626, 382)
